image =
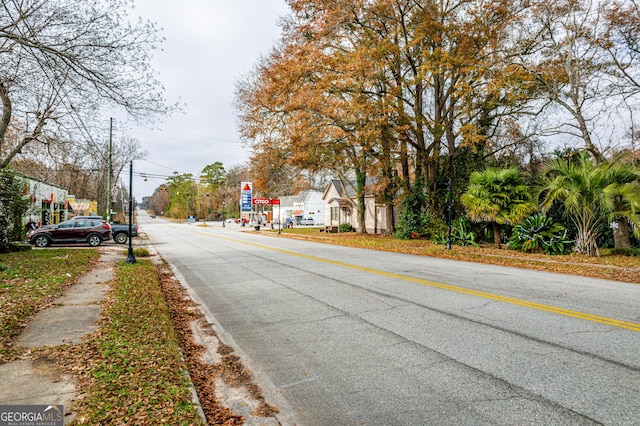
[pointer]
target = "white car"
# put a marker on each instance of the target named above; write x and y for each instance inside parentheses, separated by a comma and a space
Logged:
(307, 221)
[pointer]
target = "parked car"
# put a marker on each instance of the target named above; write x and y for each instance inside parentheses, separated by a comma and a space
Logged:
(119, 231)
(307, 221)
(91, 231)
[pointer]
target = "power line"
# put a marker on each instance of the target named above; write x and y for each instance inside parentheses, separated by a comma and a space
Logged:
(183, 134)
(45, 169)
(156, 164)
(151, 175)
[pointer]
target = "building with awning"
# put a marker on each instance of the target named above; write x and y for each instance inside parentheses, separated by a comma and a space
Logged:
(49, 203)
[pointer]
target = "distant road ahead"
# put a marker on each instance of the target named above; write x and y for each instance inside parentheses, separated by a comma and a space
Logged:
(342, 336)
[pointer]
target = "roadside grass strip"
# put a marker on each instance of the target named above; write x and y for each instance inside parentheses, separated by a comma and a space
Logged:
(477, 293)
(30, 281)
(135, 373)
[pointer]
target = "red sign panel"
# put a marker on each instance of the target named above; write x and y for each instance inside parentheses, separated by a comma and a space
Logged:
(261, 201)
(265, 201)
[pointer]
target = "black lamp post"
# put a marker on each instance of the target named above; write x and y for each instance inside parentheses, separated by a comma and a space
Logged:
(449, 212)
(223, 203)
(130, 257)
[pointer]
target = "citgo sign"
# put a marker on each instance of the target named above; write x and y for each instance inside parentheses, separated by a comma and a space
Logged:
(265, 201)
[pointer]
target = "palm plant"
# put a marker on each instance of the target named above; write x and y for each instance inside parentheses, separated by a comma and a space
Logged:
(622, 200)
(499, 196)
(591, 194)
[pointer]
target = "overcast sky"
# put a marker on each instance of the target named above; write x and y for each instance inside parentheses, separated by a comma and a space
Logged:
(209, 45)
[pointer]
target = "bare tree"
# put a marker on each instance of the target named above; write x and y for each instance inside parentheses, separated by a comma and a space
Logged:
(563, 53)
(622, 40)
(80, 166)
(64, 62)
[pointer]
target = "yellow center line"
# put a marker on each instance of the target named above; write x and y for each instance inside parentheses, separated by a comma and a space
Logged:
(483, 294)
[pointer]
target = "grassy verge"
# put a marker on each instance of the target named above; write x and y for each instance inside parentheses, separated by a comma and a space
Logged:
(131, 370)
(29, 281)
(610, 265)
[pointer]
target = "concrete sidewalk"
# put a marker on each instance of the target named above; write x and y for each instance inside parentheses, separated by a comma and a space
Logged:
(72, 316)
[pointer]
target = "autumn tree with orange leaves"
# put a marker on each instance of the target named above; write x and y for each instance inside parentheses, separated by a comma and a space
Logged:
(382, 89)
(386, 93)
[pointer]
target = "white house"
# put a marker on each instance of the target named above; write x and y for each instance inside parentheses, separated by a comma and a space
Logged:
(341, 206)
(307, 204)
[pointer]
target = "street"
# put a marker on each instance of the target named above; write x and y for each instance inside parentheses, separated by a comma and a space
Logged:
(342, 336)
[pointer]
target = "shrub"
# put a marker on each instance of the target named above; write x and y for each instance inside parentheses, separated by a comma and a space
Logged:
(460, 234)
(141, 252)
(345, 227)
(414, 219)
(13, 205)
(626, 251)
(538, 233)
(15, 247)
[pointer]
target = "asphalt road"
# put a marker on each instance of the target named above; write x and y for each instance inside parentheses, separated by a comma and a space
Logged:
(341, 336)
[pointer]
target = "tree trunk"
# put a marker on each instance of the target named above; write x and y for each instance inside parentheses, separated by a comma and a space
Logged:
(389, 222)
(390, 179)
(5, 119)
(361, 178)
(621, 234)
(496, 234)
(586, 242)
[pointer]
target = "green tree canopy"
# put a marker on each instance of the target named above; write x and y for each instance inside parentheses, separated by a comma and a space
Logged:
(182, 194)
(213, 175)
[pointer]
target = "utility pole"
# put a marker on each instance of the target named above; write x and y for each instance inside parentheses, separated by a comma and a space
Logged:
(110, 167)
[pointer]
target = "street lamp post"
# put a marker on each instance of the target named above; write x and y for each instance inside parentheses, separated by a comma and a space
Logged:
(130, 257)
(449, 213)
(223, 203)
